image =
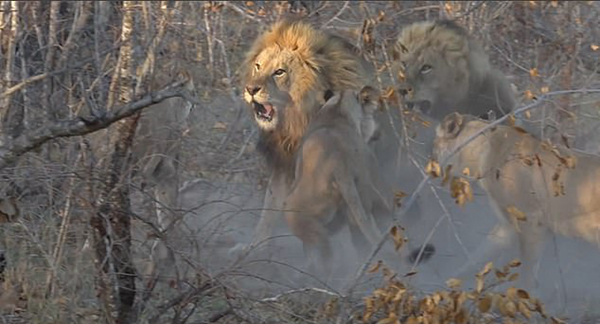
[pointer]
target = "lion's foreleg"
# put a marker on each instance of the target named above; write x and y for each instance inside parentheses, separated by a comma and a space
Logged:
(271, 213)
(357, 213)
(531, 242)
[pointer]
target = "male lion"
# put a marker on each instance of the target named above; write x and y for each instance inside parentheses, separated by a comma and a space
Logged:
(533, 186)
(441, 70)
(289, 72)
(337, 180)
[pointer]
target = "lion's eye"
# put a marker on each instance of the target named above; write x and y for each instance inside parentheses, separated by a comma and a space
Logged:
(279, 72)
(426, 69)
(403, 64)
(257, 66)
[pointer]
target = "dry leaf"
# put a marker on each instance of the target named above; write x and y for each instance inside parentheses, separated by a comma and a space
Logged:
(433, 169)
(529, 95)
(397, 236)
(523, 309)
(479, 283)
(487, 268)
(514, 263)
(220, 125)
(513, 277)
(544, 89)
(516, 214)
(453, 283)
(522, 294)
(466, 172)
(511, 120)
(534, 73)
(398, 195)
(374, 268)
(594, 47)
(485, 304)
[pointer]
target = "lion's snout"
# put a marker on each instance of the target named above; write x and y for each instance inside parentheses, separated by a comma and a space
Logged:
(253, 89)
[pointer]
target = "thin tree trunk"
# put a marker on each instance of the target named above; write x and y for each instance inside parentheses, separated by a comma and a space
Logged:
(112, 223)
(9, 74)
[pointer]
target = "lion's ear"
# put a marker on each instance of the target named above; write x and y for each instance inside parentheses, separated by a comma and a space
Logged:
(452, 124)
(331, 98)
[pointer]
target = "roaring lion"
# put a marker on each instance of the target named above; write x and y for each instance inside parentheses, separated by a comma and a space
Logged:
(290, 71)
(533, 186)
(337, 181)
(441, 69)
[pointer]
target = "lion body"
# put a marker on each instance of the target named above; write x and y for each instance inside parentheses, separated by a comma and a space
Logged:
(337, 182)
(290, 70)
(441, 69)
(534, 187)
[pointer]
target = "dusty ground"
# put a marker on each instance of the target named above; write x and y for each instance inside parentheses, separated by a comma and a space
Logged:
(224, 212)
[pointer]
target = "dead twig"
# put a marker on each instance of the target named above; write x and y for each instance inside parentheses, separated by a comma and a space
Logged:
(10, 152)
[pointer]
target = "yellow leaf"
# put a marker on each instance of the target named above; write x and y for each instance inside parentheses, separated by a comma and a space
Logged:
(523, 294)
(433, 168)
(511, 293)
(487, 268)
(397, 236)
(511, 120)
(534, 72)
(485, 304)
(529, 95)
(479, 281)
(374, 268)
(453, 283)
(516, 213)
(594, 47)
(544, 89)
(514, 263)
(466, 172)
(523, 309)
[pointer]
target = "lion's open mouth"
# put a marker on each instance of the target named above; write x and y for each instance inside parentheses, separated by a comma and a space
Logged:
(264, 111)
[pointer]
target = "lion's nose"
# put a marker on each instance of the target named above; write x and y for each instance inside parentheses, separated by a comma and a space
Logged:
(252, 90)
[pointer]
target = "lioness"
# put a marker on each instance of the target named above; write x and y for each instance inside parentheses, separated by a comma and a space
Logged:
(441, 70)
(533, 186)
(288, 72)
(336, 180)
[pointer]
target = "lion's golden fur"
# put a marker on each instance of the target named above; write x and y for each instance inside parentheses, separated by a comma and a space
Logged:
(316, 62)
(337, 181)
(289, 73)
(533, 186)
(438, 64)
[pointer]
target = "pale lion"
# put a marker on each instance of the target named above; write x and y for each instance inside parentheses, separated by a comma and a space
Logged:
(441, 69)
(289, 73)
(534, 187)
(337, 180)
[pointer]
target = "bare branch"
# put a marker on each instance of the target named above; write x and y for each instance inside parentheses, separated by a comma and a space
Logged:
(543, 98)
(81, 126)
